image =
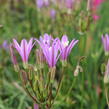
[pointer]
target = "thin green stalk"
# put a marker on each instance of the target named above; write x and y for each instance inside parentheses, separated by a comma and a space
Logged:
(57, 92)
(107, 99)
(70, 89)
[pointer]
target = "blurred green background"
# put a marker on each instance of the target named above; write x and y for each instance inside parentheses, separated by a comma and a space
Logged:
(22, 19)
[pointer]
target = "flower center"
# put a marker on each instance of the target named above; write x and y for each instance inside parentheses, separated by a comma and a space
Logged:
(65, 44)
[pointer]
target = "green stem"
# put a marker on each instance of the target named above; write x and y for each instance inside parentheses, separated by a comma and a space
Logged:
(106, 93)
(70, 89)
(57, 92)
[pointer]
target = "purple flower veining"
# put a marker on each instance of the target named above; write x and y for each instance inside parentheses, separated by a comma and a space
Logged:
(24, 48)
(65, 47)
(105, 41)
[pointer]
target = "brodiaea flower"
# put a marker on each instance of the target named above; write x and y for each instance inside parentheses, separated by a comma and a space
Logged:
(50, 51)
(105, 41)
(65, 47)
(46, 39)
(24, 48)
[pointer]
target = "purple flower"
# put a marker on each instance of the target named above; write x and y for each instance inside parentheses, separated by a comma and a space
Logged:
(46, 3)
(105, 41)
(50, 50)
(36, 106)
(42, 3)
(46, 39)
(65, 47)
(69, 4)
(53, 13)
(39, 3)
(5, 45)
(24, 49)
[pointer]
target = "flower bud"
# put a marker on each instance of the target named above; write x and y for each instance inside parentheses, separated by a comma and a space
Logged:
(106, 74)
(24, 77)
(106, 79)
(13, 58)
(40, 58)
(77, 70)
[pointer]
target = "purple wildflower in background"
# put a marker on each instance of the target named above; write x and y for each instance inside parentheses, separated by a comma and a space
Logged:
(46, 3)
(5, 45)
(65, 47)
(50, 51)
(42, 3)
(24, 49)
(36, 106)
(69, 4)
(39, 3)
(105, 41)
(53, 13)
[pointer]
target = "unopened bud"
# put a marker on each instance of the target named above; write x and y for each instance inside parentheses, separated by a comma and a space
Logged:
(1, 26)
(24, 77)
(106, 53)
(13, 58)
(106, 75)
(16, 68)
(35, 83)
(77, 70)
(103, 67)
(40, 58)
(106, 79)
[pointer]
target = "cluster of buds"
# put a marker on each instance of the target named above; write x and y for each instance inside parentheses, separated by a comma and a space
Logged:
(37, 82)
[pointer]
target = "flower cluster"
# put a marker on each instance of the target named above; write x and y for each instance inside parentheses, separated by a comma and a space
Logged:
(52, 49)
